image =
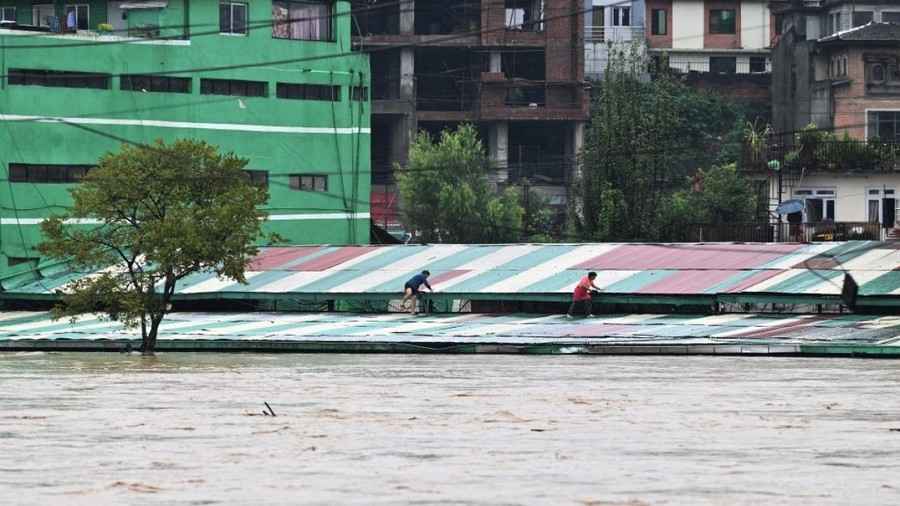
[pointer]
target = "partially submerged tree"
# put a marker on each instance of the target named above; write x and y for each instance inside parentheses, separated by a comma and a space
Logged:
(165, 211)
(446, 196)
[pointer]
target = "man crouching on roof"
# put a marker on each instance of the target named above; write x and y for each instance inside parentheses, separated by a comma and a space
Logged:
(411, 289)
(582, 295)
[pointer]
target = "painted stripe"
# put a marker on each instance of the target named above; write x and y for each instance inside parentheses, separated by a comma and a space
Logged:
(752, 280)
(216, 284)
(272, 258)
(294, 282)
(233, 127)
(637, 281)
(405, 267)
(271, 217)
(332, 258)
(687, 281)
(541, 272)
(492, 260)
(880, 259)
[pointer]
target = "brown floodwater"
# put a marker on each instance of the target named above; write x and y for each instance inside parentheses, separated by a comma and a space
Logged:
(188, 428)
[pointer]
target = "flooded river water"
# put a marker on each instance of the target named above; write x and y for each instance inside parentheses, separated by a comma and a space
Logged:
(469, 430)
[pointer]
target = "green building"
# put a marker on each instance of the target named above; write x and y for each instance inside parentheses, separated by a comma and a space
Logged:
(273, 81)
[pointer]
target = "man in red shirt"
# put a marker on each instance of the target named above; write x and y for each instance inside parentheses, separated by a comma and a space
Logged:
(582, 295)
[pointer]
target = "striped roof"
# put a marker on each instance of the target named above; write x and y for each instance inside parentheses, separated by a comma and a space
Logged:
(550, 270)
(471, 328)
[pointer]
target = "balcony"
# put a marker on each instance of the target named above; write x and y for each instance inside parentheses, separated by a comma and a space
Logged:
(812, 154)
(823, 231)
(596, 34)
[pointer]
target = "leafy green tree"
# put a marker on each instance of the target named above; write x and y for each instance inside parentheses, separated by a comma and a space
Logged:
(165, 212)
(720, 195)
(645, 138)
(446, 196)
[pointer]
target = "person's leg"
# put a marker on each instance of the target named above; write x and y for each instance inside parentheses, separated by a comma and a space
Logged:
(413, 299)
(571, 308)
(407, 292)
(588, 308)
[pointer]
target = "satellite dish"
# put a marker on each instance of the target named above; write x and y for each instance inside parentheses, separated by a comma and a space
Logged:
(790, 206)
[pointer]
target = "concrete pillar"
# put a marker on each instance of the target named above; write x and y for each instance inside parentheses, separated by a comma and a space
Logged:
(496, 62)
(498, 150)
(574, 145)
(407, 17)
(407, 73)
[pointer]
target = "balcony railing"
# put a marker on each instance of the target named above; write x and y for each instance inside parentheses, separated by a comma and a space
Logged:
(825, 231)
(613, 33)
(829, 156)
(526, 95)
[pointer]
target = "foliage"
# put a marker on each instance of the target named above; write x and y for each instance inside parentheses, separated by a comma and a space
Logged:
(446, 196)
(720, 195)
(539, 217)
(645, 139)
(815, 148)
(165, 211)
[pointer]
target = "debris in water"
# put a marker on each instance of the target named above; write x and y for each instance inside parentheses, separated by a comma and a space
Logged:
(270, 413)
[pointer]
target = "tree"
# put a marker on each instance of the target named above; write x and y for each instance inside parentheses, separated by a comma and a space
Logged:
(164, 212)
(645, 139)
(720, 195)
(445, 194)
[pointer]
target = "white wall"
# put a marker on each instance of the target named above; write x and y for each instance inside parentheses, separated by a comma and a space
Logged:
(851, 192)
(754, 25)
(687, 24)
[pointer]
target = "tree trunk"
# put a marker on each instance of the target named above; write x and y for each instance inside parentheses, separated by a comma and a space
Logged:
(146, 346)
(149, 345)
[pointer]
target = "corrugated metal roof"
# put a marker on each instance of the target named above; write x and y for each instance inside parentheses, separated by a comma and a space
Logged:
(551, 269)
(474, 328)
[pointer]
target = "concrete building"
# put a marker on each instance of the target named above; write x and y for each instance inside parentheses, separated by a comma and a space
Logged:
(836, 67)
(611, 24)
(268, 80)
(514, 68)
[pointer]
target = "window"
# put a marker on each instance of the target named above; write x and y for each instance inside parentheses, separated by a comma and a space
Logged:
(359, 93)
(834, 22)
(722, 65)
(77, 17)
(309, 182)
(233, 18)
(150, 82)
(258, 177)
(302, 20)
(757, 64)
(8, 14)
(861, 18)
(779, 24)
(59, 79)
(884, 125)
(659, 22)
(890, 17)
(41, 173)
(233, 87)
(722, 21)
(40, 14)
(12, 261)
(621, 16)
(819, 204)
(877, 73)
(308, 92)
(528, 15)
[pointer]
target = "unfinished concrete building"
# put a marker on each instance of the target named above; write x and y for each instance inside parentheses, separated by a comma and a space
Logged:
(514, 68)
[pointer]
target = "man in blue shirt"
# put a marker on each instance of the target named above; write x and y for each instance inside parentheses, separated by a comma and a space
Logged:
(411, 289)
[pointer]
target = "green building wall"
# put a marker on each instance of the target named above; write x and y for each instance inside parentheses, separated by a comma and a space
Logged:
(55, 125)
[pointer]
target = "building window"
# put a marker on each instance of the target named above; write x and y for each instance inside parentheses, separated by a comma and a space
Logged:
(779, 24)
(302, 20)
(233, 87)
(890, 17)
(884, 125)
(40, 14)
(877, 73)
(258, 177)
(160, 84)
(309, 182)
(359, 93)
(526, 15)
(58, 79)
(13, 261)
(43, 173)
(723, 21)
(659, 22)
(77, 17)
(8, 14)
(861, 18)
(722, 64)
(621, 16)
(834, 22)
(233, 18)
(308, 92)
(757, 64)
(820, 204)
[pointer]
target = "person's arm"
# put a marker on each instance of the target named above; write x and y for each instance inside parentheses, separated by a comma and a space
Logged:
(429, 286)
